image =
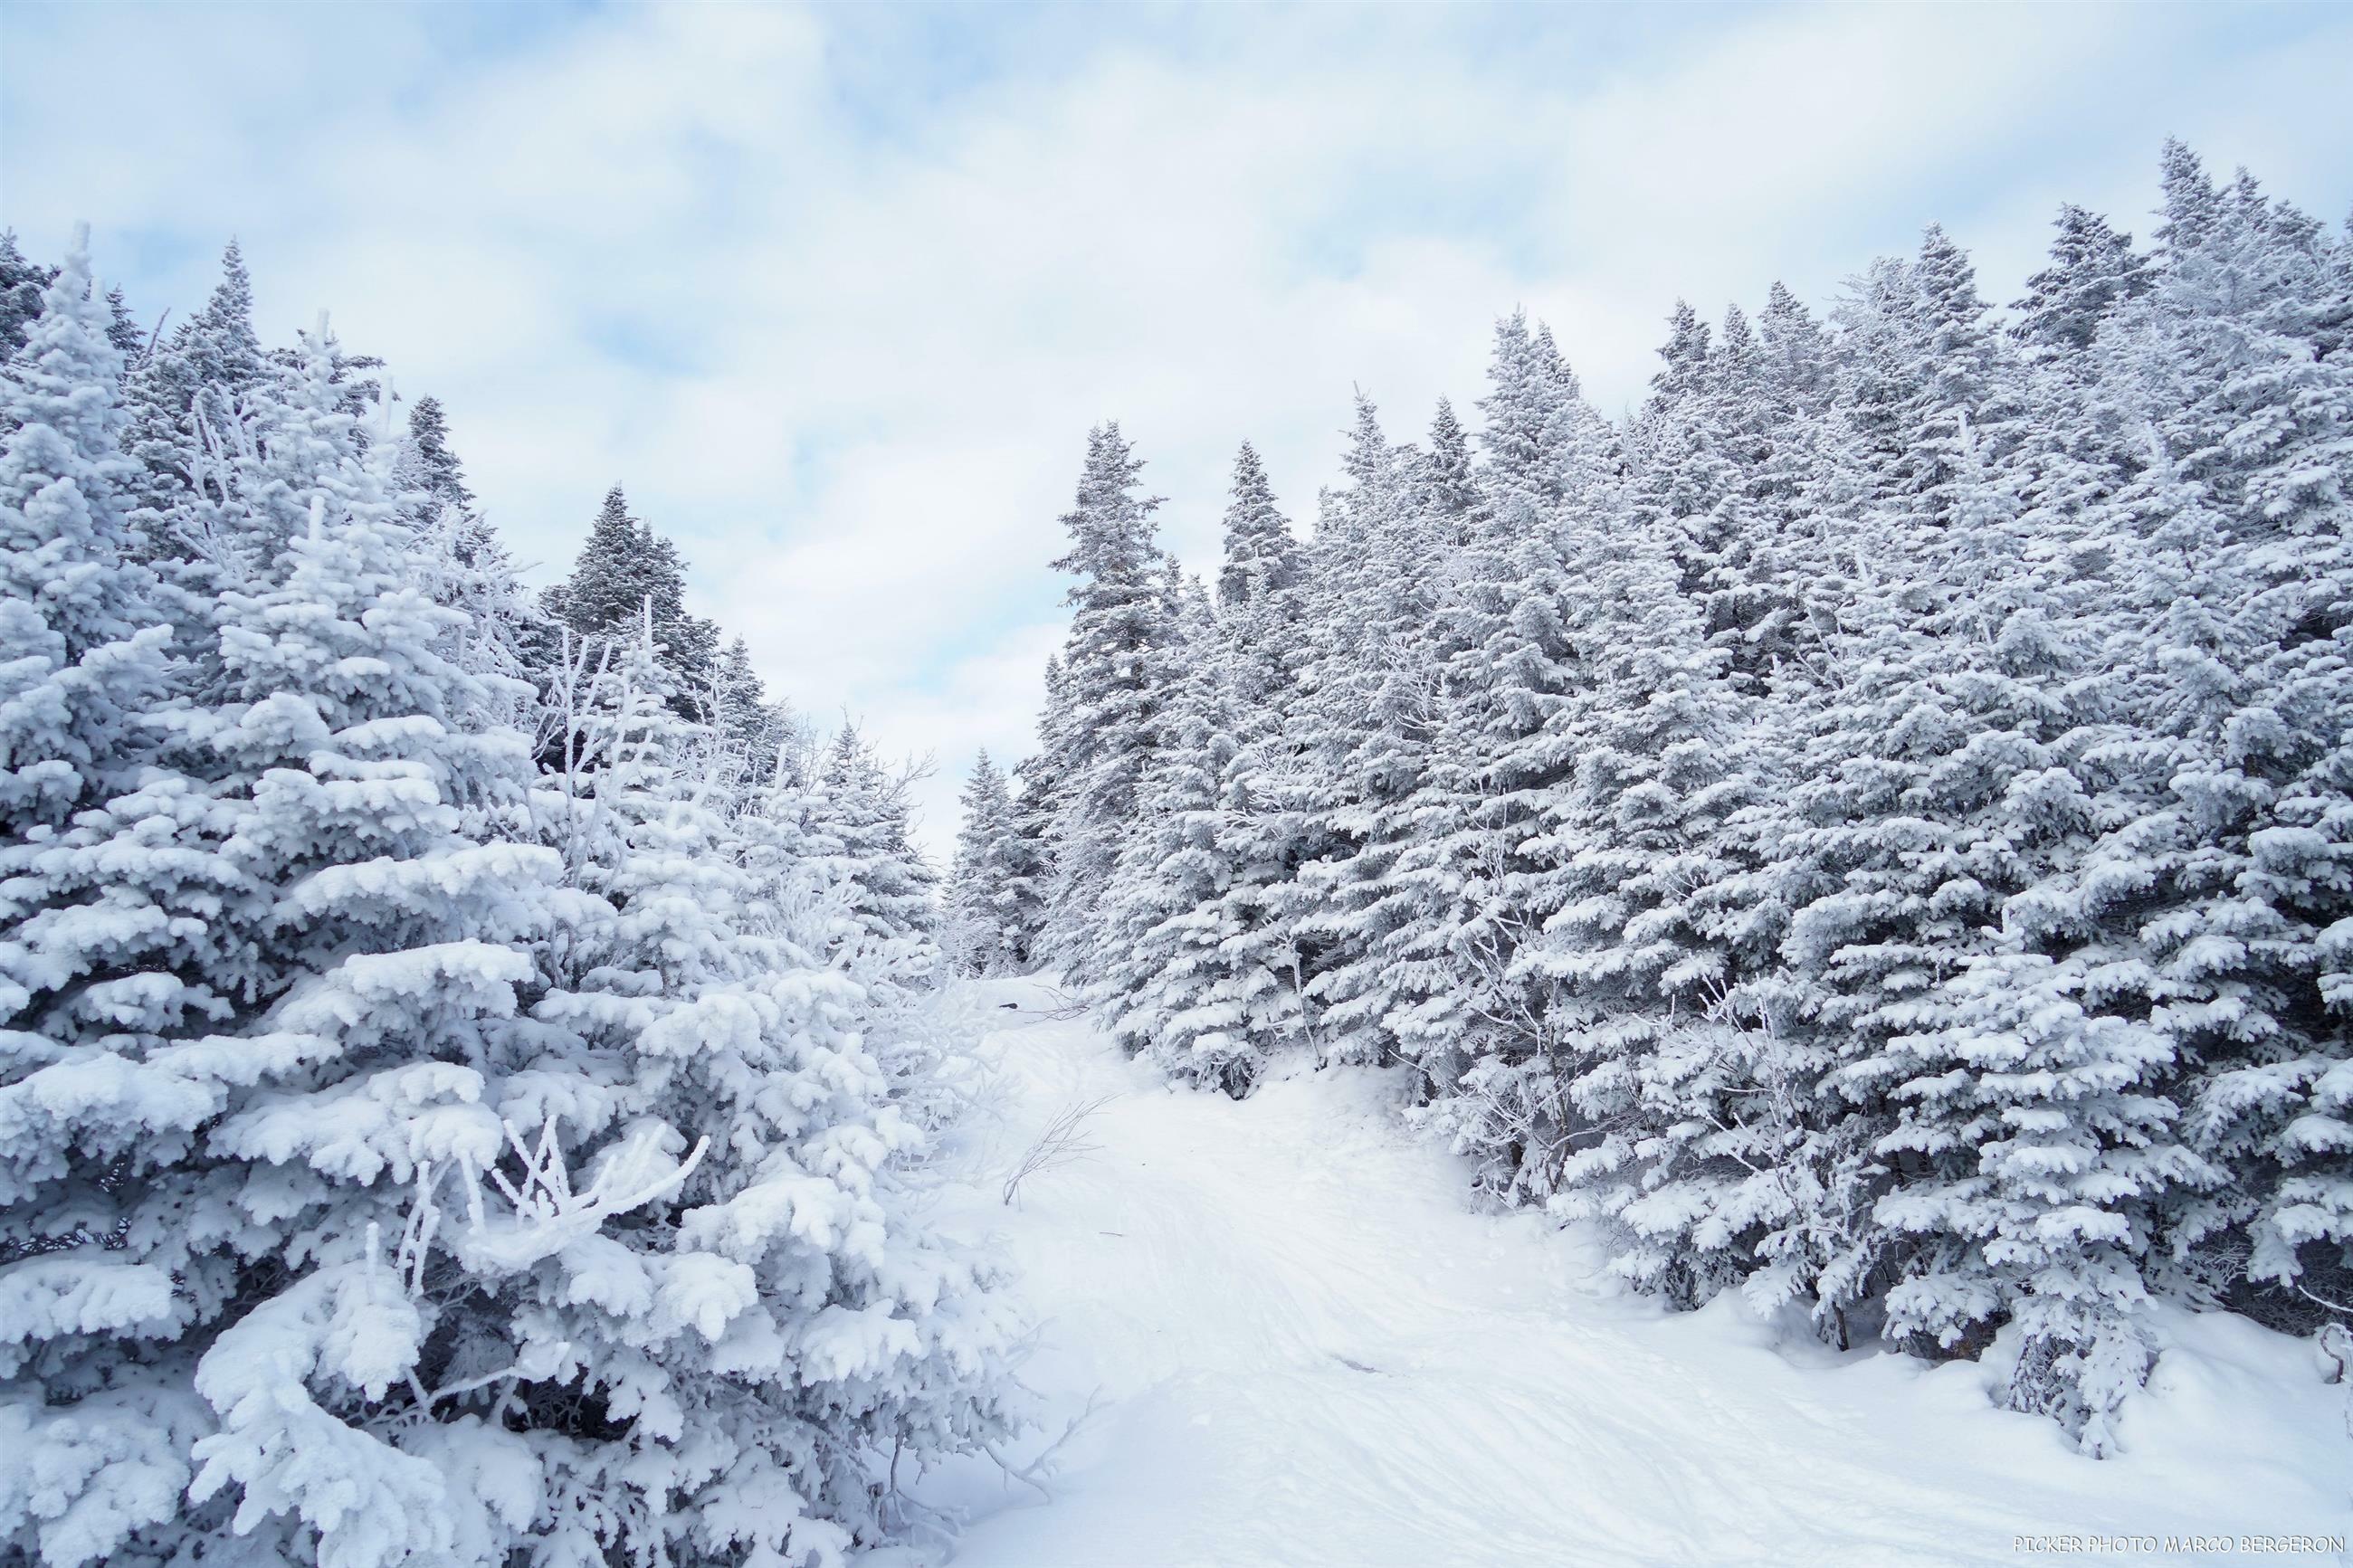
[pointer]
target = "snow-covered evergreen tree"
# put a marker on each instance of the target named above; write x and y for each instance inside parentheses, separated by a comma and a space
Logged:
(1546, 495)
(624, 566)
(80, 661)
(1265, 832)
(347, 844)
(430, 464)
(2226, 854)
(862, 811)
(122, 330)
(195, 378)
(1630, 978)
(1040, 785)
(992, 898)
(464, 565)
(1111, 679)
(1164, 979)
(2092, 270)
(22, 285)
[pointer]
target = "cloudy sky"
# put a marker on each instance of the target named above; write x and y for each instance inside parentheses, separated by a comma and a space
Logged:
(836, 293)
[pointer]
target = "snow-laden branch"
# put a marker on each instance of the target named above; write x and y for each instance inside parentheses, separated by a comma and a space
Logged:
(543, 1214)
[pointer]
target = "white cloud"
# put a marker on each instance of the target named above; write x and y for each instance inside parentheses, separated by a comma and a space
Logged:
(840, 317)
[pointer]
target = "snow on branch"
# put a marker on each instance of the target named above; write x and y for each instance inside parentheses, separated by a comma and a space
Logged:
(544, 1212)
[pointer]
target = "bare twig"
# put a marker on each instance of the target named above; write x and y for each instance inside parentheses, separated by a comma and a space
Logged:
(1061, 1006)
(1038, 1471)
(1063, 1141)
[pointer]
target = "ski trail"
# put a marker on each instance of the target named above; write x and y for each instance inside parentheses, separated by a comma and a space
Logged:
(1307, 1350)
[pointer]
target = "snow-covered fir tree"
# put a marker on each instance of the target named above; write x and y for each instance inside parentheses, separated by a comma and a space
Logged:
(1164, 913)
(2227, 852)
(83, 665)
(194, 379)
(22, 285)
(1544, 485)
(624, 566)
(1259, 975)
(862, 814)
(431, 465)
(993, 899)
(1041, 782)
(1110, 695)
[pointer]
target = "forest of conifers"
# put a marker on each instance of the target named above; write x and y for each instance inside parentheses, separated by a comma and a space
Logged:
(1871, 829)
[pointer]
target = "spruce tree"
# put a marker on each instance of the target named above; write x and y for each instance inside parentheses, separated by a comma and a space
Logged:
(1164, 982)
(1264, 834)
(1113, 673)
(1040, 785)
(195, 382)
(409, 1157)
(773, 1322)
(82, 661)
(85, 671)
(757, 730)
(624, 566)
(992, 897)
(22, 285)
(860, 809)
(504, 640)
(1629, 976)
(122, 330)
(2091, 272)
(1449, 487)
(610, 582)
(356, 963)
(432, 465)
(1509, 667)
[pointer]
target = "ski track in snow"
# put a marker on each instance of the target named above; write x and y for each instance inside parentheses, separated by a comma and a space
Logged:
(1308, 1349)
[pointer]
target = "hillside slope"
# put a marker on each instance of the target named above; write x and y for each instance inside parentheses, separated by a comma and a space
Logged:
(1306, 1348)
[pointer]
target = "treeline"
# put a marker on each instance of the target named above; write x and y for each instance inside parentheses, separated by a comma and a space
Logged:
(1873, 829)
(461, 1056)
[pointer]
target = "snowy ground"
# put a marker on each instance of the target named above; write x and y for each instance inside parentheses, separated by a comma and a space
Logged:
(1306, 1350)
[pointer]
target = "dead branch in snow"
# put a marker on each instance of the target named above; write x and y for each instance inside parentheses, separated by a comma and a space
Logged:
(1064, 1140)
(1041, 1468)
(1061, 1006)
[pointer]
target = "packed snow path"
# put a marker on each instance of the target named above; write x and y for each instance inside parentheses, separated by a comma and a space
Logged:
(1306, 1348)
